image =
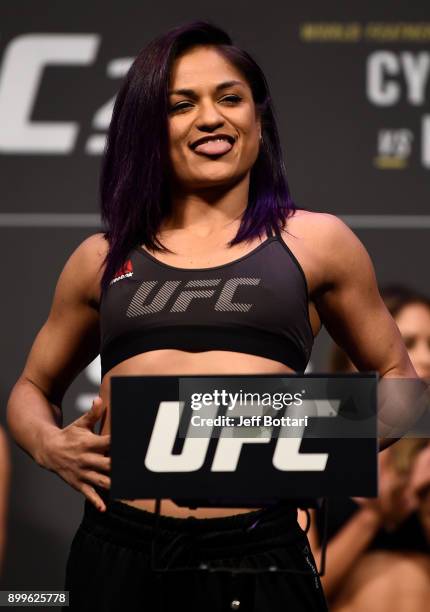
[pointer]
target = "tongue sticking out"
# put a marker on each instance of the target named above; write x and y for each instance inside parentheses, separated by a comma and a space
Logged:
(213, 147)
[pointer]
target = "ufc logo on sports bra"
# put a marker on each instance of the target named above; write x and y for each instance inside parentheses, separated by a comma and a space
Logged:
(186, 292)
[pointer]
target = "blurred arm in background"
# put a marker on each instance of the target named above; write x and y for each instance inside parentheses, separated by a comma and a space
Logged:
(4, 493)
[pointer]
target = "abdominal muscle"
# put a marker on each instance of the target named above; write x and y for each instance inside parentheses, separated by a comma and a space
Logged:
(170, 362)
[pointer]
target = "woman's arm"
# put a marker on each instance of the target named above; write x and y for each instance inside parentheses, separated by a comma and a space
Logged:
(354, 314)
(65, 345)
(356, 317)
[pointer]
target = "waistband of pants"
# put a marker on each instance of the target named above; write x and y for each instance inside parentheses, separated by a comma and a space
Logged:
(128, 525)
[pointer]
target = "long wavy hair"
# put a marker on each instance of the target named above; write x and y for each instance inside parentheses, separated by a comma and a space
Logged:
(134, 179)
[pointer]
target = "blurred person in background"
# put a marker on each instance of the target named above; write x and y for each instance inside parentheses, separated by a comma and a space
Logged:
(4, 494)
(378, 555)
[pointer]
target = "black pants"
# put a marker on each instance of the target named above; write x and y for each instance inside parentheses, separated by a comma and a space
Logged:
(109, 566)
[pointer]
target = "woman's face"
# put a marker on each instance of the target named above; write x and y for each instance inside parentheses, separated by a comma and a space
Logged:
(217, 100)
(413, 322)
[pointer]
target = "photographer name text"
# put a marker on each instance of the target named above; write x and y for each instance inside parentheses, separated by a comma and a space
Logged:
(253, 421)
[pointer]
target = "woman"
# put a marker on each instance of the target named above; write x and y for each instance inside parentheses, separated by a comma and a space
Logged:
(378, 555)
(193, 192)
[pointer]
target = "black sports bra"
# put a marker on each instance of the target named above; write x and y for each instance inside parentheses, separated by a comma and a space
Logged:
(257, 304)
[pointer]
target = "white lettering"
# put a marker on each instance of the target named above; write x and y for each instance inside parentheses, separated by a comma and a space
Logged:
(384, 91)
(379, 89)
(159, 456)
(287, 457)
(24, 61)
(416, 68)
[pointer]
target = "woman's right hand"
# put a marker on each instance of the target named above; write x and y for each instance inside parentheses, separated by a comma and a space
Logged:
(76, 454)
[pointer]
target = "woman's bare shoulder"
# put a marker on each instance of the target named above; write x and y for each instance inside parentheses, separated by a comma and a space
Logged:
(95, 246)
(323, 243)
(329, 244)
(321, 226)
(90, 254)
(84, 267)
(311, 218)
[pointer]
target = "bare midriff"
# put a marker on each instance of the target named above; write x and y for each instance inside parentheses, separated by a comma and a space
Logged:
(170, 362)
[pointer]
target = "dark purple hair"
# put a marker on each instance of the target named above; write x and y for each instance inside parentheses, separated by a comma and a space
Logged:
(134, 181)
